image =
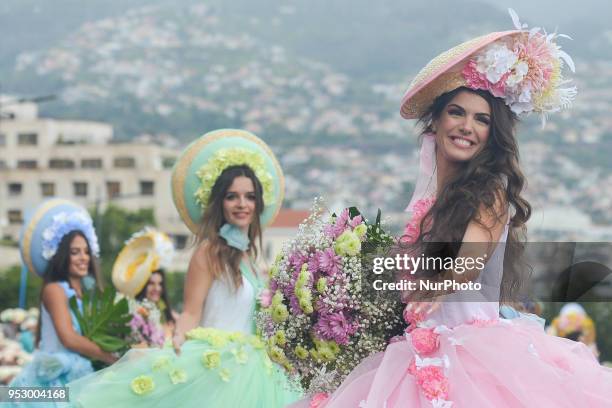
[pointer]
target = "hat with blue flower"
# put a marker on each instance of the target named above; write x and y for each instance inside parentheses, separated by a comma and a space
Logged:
(203, 161)
(524, 67)
(45, 228)
(145, 252)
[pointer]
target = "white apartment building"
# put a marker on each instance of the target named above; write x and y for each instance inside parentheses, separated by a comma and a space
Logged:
(77, 160)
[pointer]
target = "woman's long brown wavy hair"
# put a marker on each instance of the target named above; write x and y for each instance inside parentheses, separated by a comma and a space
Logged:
(222, 257)
(493, 173)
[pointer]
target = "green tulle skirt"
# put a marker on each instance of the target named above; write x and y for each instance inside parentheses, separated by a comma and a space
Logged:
(215, 369)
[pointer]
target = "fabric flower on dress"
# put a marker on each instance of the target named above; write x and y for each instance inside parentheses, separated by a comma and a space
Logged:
(143, 384)
(211, 359)
(425, 341)
(225, 374)
(178, 376)
(433, 382)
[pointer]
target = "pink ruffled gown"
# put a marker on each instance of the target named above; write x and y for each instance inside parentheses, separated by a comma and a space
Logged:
(467, 356)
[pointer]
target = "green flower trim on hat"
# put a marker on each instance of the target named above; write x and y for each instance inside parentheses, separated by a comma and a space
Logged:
(224, 158)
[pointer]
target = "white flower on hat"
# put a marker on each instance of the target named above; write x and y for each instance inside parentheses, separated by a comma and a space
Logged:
(519, 71)
(496, 61)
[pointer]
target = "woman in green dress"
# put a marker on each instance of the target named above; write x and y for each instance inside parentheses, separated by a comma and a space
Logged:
(227, 185)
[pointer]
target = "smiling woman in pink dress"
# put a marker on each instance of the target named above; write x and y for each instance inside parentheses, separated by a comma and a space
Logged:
(457, 351)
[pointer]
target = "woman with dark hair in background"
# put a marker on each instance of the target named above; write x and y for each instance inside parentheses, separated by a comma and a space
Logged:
(69, 248)
(155, 291)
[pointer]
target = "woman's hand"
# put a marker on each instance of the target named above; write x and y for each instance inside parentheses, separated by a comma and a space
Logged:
(109, 358)
(177, 341)
(416, 312)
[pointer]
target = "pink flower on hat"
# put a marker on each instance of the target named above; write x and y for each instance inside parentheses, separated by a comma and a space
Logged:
(425, 341)
(477, 80)
(433, 382)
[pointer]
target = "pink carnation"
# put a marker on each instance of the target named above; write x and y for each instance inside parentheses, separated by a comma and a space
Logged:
(474, 78)
(425, 341)
(318, 400)
(433, 382)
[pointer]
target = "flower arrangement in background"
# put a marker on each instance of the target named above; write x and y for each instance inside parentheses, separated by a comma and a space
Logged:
(320, 317)
(145, 325)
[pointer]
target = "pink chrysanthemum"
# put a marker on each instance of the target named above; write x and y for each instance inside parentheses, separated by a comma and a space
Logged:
(433, 382)
(329, 262)
(296, 259)
(425, 341)
(356, 221)
(535, 51)
(335, 327)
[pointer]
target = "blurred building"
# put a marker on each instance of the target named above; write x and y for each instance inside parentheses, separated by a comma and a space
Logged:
(78, 160)
(283, 229)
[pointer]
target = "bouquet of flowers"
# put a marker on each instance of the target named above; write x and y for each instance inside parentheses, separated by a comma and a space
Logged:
(319, 316)
(145, 324)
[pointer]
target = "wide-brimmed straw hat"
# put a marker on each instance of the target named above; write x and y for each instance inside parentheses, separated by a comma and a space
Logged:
(523, 67)
(203, 161)
(145, 252)
(45, 227)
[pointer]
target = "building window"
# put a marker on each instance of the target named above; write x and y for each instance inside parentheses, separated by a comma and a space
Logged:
(2, 139)
(3, 165)
(27, 139)
(91, 163)
(15, 217)
(124, 162)
(113, 189)
(14, 189)
(147, 188)
(180, 241)
(47, 189)
(80, 189)
(61, 164)
(168, 162)
(27, 164)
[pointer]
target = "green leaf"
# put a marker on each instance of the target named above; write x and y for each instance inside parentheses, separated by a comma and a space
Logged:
(103, 321)
(353, 212)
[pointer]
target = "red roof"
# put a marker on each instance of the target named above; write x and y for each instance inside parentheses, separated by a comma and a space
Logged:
(288, 218)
